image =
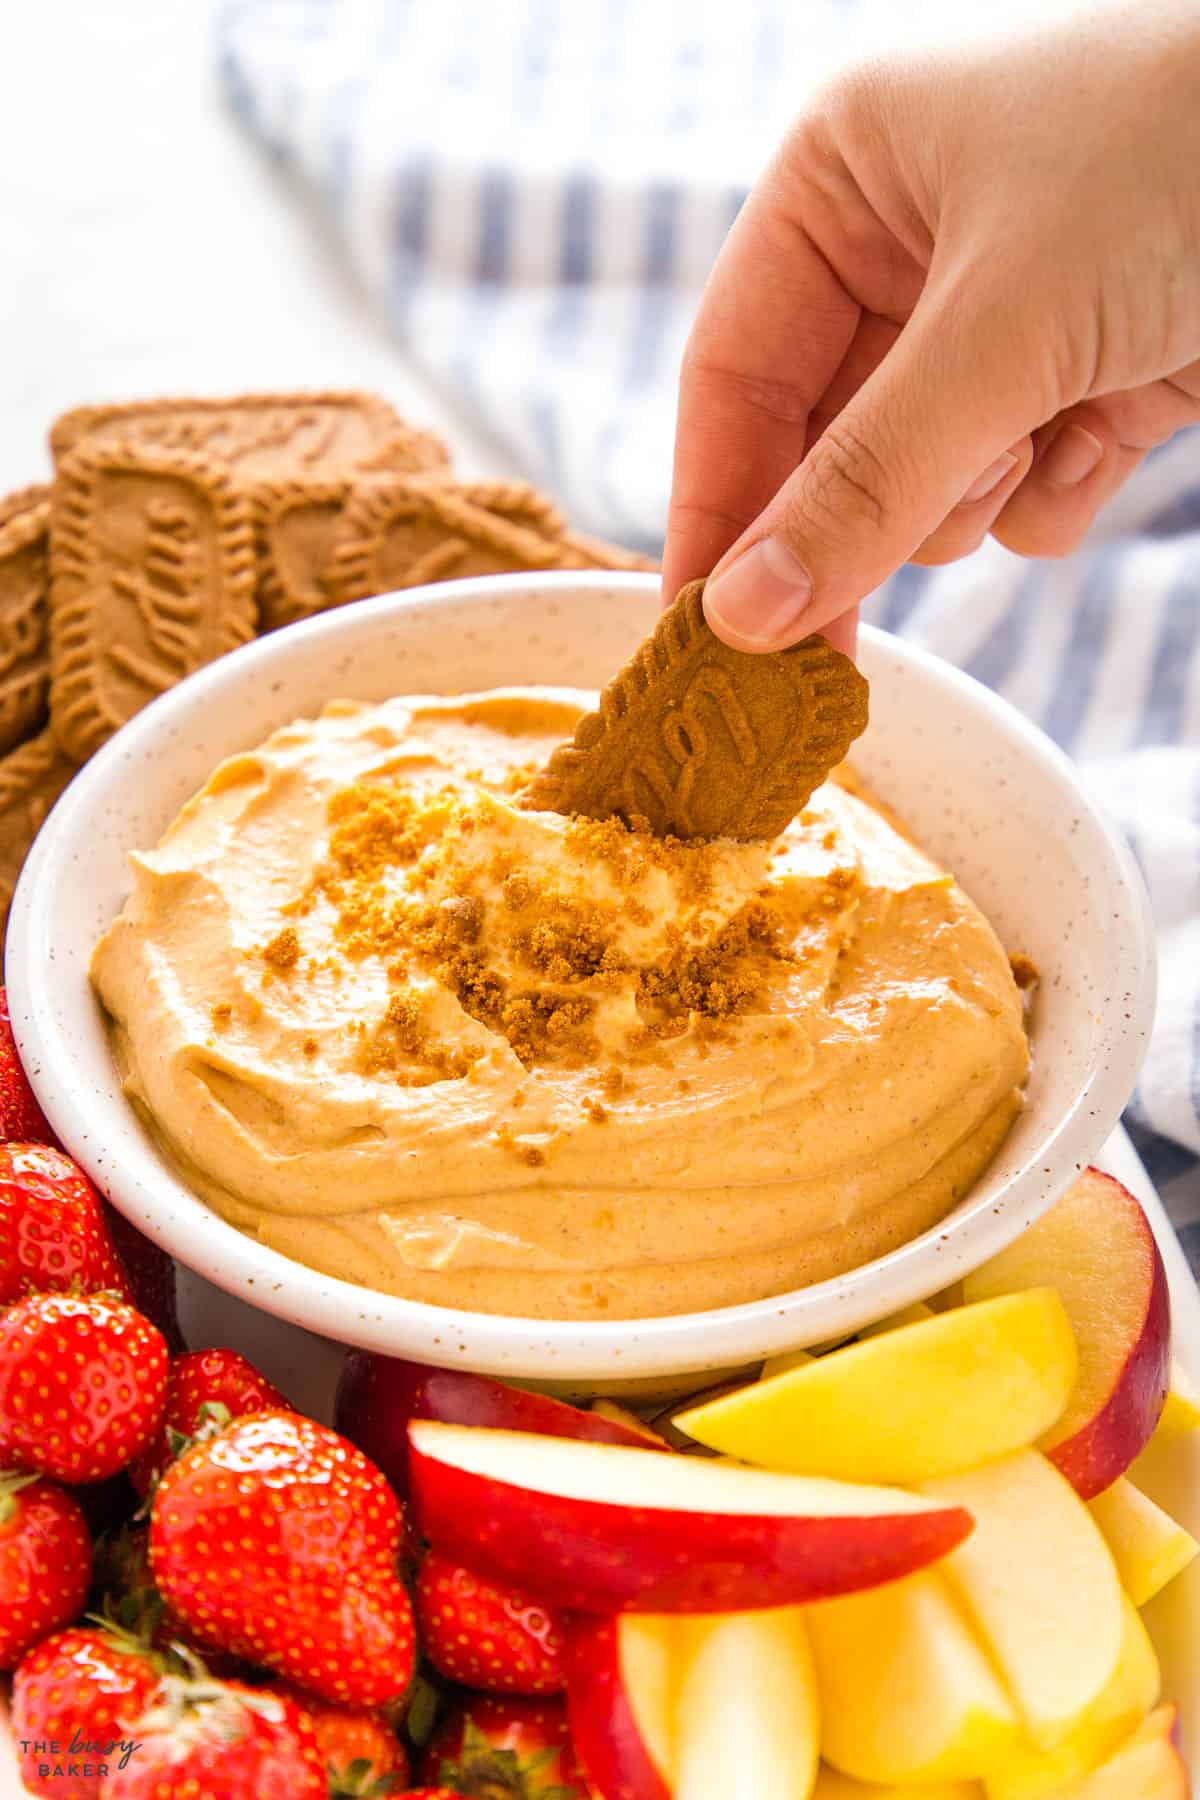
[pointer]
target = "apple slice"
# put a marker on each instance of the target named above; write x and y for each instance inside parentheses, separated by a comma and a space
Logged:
(833, 1785)
(1181, 1413)
(1148, 1766)
(639, 1430)
(907, 1694)
(622, 1688)
(787, 1359)
(748, 1725)
(378, 1395)
(600, 1528)
(1037, 1579)
(1148, 1547)
(1132, 1690)
(1096, 1247)
(950, 1392)
(908, 1315)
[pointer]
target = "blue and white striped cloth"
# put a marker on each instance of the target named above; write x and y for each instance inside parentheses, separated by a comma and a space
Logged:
(536, 189)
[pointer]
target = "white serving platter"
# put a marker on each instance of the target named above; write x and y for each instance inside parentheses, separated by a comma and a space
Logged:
(306, 1368)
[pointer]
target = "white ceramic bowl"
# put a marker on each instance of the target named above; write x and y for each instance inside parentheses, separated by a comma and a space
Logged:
(983, 790)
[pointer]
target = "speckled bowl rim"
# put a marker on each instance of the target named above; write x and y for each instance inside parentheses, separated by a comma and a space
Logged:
(536, 1349)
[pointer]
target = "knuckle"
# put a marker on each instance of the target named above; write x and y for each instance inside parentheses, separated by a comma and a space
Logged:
(849, 482)
(778, 401)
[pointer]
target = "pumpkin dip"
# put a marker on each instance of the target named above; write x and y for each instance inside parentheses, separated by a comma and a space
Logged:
(400, 1029)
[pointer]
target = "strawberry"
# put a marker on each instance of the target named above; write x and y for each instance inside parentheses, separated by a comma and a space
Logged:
(485, 1635)
(220, 1740)
(20, 1115)
(428, 1793)
(362, 1755)
(151, 1274)
(123, 1588)
(45, 1562)
(53, 1234)
(499, 1747)
(75, 1698)
(277, 1541)
(82, 1384)
(206, 1390)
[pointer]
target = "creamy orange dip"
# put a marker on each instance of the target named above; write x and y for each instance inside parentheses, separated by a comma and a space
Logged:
(405, 1032)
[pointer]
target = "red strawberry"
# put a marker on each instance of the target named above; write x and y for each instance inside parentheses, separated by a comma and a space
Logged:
(124, 1588)
(82, 1384)
(151, 1274)
(277, 1541)
(20, 1115)
(75, 1698)
(428, 1793)
(53, 1234)
(206, 1390)
(505, 1747)
(45, 1562)
(362, 1755)
(484, 1635)
(220, 1740)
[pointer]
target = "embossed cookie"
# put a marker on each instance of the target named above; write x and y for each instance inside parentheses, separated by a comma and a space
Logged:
(263, 435)
(23, 500)
(298, 529)
(151, 575)
(310, 532)
(702, 741)
(31, 779)
(399, 535)
(528, 506)
(322, 543)
(24, 616)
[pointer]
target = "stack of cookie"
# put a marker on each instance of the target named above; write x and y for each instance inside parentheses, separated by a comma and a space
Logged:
(175, 530)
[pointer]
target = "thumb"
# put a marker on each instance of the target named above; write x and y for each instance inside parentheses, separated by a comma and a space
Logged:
(929, 429)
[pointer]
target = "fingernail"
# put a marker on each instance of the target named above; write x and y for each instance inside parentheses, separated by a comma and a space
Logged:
(1071, 456)
(761, 598)
(992, 476)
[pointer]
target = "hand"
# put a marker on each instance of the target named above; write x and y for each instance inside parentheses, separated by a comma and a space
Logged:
(965, 297)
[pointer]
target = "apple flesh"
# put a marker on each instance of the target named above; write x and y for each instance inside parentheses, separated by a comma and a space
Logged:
(907, 1693)
(1040, 1586)
(640, 1430)
(1147, 1545)
(378, 1395)
(948, 1392)
(622, 1680)
(601, 1528)
(1148, 1766)
(833, 1785)
(1181, 1414)
(747, 1715)
(1095, 1246)
(1127, 1697)
(908, 1315)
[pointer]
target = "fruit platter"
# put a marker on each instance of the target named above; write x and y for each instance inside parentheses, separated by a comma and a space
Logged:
(949, 1559)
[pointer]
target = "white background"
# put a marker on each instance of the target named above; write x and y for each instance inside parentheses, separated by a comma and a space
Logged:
(147, 246)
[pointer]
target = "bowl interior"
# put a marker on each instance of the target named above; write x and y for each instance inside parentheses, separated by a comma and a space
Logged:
(982, 790)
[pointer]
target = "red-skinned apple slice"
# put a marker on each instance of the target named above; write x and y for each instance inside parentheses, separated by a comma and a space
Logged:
(378, 1395)
(1096, 1247)
(621, 1678)
(601, 1528)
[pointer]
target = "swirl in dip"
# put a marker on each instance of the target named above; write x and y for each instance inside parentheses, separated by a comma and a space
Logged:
(396, 1027)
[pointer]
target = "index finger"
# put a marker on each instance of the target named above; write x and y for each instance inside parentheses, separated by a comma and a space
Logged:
(774, 325)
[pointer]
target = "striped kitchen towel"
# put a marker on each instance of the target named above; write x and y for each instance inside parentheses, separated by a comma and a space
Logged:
(535, 190)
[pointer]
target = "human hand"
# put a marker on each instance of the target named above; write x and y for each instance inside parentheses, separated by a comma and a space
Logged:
(964, 297)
